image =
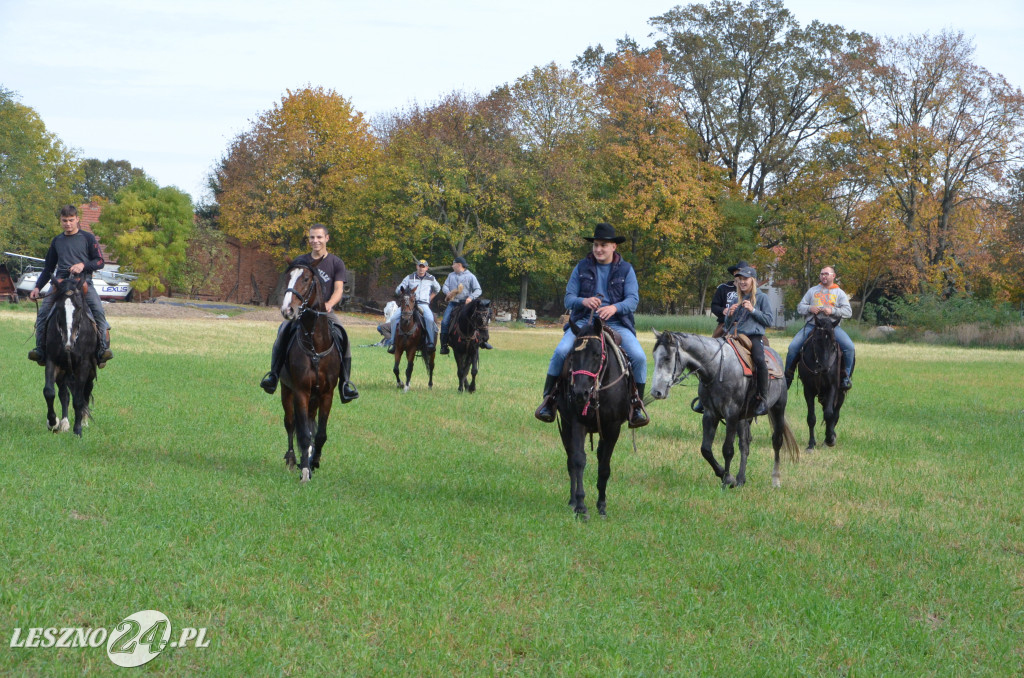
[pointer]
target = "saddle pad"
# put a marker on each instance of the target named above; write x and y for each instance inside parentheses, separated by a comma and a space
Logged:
(741, 344)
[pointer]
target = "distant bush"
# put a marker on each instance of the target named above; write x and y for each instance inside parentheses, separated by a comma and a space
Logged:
(692, 324)
(935, 314)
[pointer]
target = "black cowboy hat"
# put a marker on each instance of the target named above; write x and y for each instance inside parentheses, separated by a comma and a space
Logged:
(739, 264)
(605, 231)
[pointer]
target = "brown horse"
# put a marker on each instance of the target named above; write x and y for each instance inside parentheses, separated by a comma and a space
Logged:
(409, 334)
(311, 368)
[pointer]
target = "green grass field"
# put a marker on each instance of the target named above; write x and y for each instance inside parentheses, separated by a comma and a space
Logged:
(435, 540)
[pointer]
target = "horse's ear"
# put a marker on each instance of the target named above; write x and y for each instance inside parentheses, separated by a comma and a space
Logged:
(657, 334)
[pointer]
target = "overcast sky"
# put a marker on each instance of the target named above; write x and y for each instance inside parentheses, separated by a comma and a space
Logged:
(167, 85)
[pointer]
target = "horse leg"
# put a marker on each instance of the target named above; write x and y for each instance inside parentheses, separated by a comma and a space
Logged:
(398, 362)
(474, 368)
(49, 392)
(302, 430)
(830, 429)
(326, 400)
(64, 394)
(429, 360)
(289, 424)
(609, 436)
(809, 395)
(728, 450)
(710, 428)
(744, 437)
(410, 361)
(573, 439)
(778, 419)
(829, 414)
(460, 369)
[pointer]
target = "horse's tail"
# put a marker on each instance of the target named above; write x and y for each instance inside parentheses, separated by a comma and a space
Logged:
(789, 444)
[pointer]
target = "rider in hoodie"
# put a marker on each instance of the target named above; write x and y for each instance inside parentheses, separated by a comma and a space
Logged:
(827, 298)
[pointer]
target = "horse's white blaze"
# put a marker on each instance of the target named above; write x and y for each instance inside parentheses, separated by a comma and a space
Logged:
(292, 279)
(69, 319)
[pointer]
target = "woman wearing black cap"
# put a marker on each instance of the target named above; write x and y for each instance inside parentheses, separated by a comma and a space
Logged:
(750, 315)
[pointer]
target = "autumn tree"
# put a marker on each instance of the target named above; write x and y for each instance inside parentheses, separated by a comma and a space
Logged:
(434, 183)
(543, 131)
(302, 162)
(943, 135)
(147, 228)
(104, 178)
(755, 86)
(37, 176)
(653, 187)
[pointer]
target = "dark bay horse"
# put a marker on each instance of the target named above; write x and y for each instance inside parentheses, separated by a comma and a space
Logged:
(468, 332)
(821, 373)
(71, 340)
(409, 335)
(311, 369)
(593, 396)
(727, 395)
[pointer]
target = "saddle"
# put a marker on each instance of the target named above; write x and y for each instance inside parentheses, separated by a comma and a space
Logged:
(740, 343)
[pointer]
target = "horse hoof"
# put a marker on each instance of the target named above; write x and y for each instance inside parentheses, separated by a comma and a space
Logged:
(582, 515)
(728, 483)
(305, 475)
(830, 443)
(776, 482)
(809, 450)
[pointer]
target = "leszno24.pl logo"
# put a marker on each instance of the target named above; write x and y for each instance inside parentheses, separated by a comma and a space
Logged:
(133, 642)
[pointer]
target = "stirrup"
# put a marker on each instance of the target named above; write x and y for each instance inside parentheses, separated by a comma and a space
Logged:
(697, 406)
(269, 383)
(444, 349)
(638, 417)
(546, 411)
(762, 407)
(391, 349)
(348, 392)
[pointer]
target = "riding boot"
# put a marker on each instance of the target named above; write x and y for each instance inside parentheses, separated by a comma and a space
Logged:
(486, 345)
(846, 384)
(347, 388)
(762, 391)
(637, 415)
(391, 348)
(103, 353)
(789, 379)
(546, 411)
(444, 344)
(269, 381)
(39, 352)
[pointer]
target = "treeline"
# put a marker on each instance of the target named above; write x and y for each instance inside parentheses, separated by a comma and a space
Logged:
(737, 133)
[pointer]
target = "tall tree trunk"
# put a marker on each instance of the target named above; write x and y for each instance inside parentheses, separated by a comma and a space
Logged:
(524, 282)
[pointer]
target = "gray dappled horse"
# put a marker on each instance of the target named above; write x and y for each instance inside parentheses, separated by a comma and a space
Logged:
(593, 396)
(71, 339)
(727, 395)
(311, 369)
(821, 373)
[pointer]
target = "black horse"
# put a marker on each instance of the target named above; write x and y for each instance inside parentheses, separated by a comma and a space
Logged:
(592, 396)
(71, 340)
(468, 332)
(821, 373)
(311, 369)
(410, 336)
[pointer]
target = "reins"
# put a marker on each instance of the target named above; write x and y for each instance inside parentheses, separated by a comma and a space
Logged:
(305, 338)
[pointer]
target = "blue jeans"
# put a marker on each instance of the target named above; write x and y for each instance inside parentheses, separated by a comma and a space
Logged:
(630, 346)
(845, 345)
(91, 298)
(449, 309)
(428, 315)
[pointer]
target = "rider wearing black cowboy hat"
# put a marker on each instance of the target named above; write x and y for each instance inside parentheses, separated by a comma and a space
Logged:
(603, 283)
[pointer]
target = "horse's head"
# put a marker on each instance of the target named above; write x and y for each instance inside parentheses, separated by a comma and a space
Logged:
(73, 285)
(821, 350)
(303, 292)
(406, 300)
(587, 360)
(672, 355)
(479, 313)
